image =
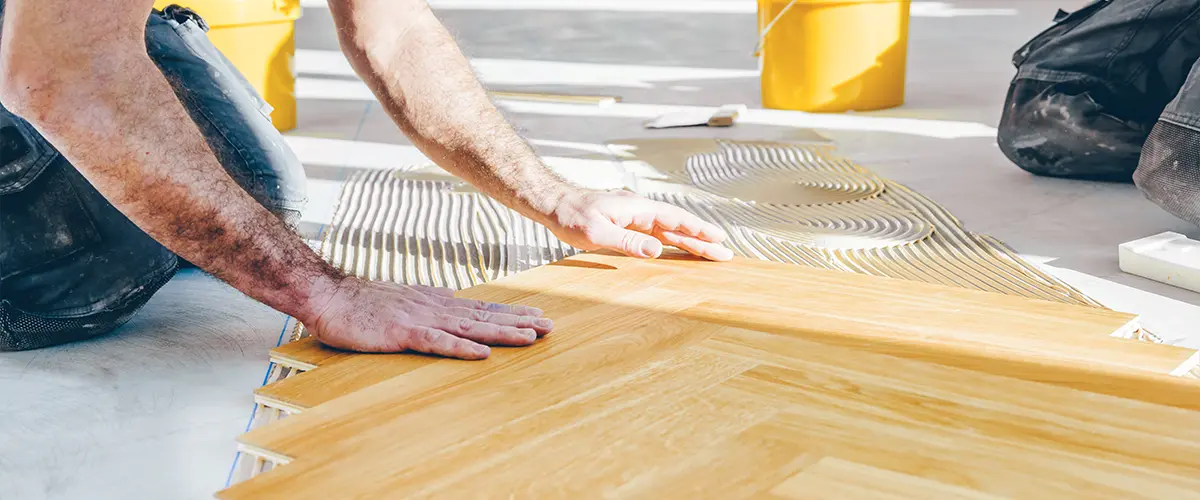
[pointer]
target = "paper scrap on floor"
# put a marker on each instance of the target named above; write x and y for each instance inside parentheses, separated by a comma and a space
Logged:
(725, 116)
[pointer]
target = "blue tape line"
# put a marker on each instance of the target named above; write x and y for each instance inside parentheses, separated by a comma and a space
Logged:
(254, 409)
(279, 342)
(232, 466)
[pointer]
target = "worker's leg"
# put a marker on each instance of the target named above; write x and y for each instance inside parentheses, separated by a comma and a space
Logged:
(71, 265)
(1169, 170)
(1089, 88)
(229, 112)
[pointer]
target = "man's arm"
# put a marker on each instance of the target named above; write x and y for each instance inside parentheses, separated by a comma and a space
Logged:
(413, 66)
(79, 72)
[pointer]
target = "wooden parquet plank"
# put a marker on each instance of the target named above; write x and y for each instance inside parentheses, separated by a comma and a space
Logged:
(832, 477)
(685, 379)
(306, 354)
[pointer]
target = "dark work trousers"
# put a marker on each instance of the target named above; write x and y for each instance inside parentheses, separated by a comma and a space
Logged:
(1112, 92)
(71, 265)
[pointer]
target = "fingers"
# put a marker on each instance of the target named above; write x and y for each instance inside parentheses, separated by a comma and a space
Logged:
(695, 246)
(432, 341)
(389, 317)
(540, 325)
(489, 306)
(444, 297)
(637, 244)
(641, 229)
(465, 333)
(631, 243)
(672, 218)
(483, 332)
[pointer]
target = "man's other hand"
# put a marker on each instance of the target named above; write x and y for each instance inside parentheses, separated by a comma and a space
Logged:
(633, 225)
(383, 317)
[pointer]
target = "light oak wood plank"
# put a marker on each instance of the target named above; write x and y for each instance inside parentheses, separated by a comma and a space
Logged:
(966, 326)
(349, 374)
(866, 309)
(305, 354)
(584, 341)
(1163, 389)
(832, 477)
(599, 454)
(1018, 439)
(510, 397)
(341, 376)
(738, 466)
(512, 448)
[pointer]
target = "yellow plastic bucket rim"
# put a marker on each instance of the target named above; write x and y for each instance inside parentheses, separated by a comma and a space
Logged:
(831, 1)
(765, 30)
(225, 13)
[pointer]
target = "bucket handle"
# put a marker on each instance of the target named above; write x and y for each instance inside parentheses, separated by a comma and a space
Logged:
(762, 37)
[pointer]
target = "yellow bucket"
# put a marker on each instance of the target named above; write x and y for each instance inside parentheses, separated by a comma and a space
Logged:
(833, 55)
(259, 38)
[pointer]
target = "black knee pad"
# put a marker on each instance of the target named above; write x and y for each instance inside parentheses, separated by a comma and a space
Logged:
(22, 330)
(1169, 170)
(1060, 130)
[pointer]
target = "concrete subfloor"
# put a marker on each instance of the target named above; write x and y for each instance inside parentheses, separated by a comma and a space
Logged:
(151, 411)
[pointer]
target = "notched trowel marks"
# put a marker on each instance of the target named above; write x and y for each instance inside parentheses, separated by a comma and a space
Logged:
(835, 214)
(756, 172)
(423, 226)
(795, 203)
(794, 195)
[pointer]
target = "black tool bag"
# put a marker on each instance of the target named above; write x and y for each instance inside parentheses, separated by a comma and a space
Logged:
(1090, 88)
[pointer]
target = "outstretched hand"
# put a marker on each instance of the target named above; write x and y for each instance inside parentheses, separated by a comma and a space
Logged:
(382, 317)
(367, 316)
(633, 225)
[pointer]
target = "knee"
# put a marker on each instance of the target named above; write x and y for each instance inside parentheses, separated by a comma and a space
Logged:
(1168, 172)
(283, 188)
(290, 217)
(1032, 150)
(1063, 135)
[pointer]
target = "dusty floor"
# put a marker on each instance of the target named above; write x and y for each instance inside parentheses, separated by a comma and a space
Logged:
(152, 410)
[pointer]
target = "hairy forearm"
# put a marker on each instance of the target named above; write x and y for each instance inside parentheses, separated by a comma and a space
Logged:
(413, 66)
(122, 127)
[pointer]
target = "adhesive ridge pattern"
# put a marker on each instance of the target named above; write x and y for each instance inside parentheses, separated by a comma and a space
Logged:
(819, 210)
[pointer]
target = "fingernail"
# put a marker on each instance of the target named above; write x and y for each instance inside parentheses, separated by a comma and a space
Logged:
(649, 248)
(530, 335)
(482, 351)
(533, 311)
(544, 323)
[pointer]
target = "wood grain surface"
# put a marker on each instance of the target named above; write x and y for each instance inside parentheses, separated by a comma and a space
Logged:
(678, 378)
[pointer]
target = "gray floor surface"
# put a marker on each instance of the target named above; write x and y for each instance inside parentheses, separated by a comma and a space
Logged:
(152, 410)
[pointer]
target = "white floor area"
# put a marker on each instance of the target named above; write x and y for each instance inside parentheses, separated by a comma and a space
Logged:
(152, 410)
